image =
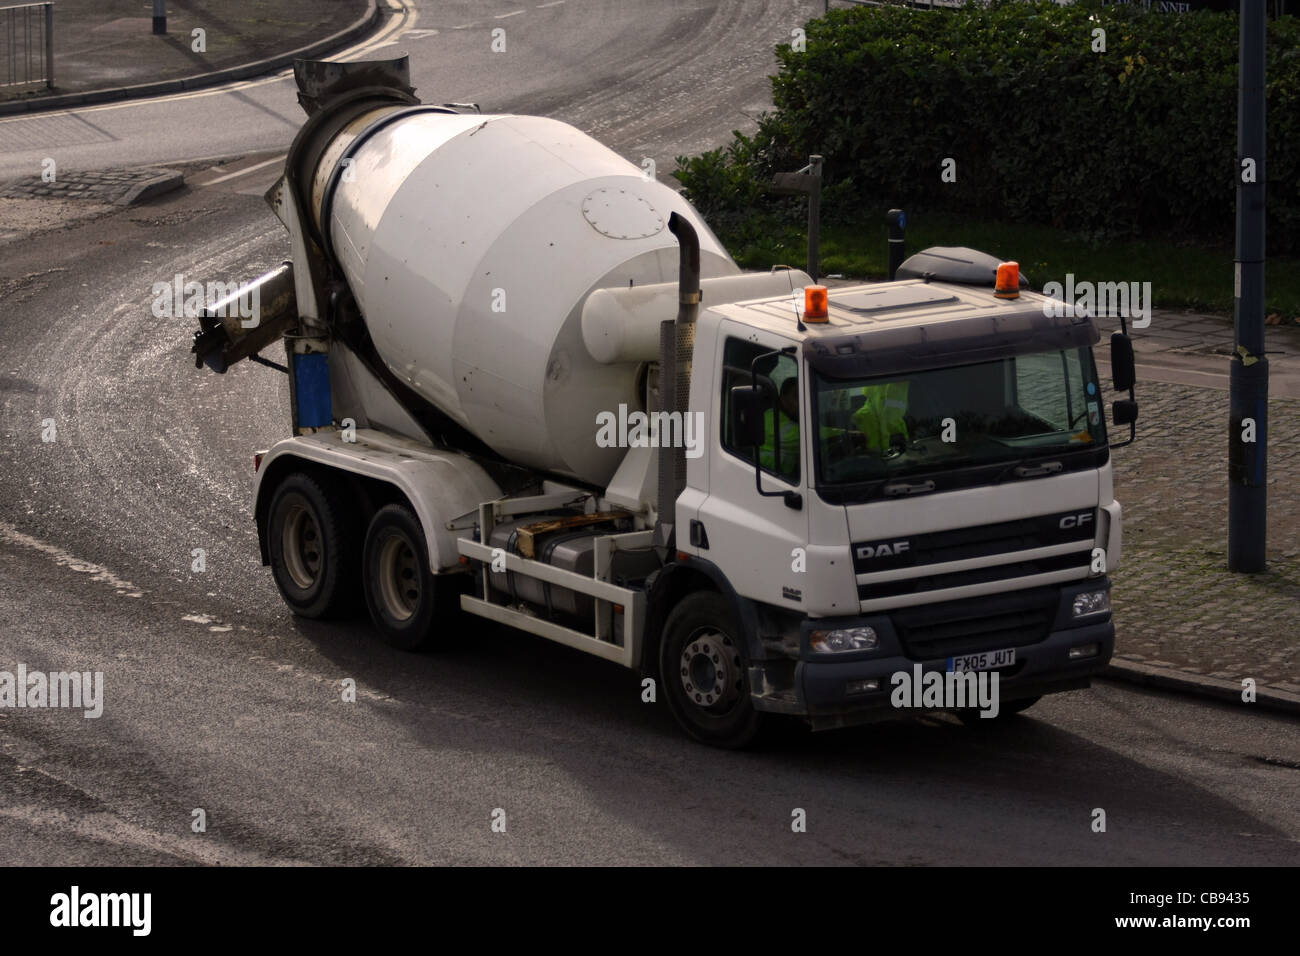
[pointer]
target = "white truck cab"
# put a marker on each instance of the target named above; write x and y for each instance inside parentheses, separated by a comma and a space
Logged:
(950, 492)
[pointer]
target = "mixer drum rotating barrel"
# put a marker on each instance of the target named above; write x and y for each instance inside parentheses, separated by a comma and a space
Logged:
(471, 242)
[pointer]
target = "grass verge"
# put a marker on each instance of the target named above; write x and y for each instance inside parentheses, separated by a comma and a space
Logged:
(1182, 275)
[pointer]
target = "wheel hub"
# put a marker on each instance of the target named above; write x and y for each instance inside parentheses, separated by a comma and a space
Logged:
(710, 670)
(400, 580)
(301, 545)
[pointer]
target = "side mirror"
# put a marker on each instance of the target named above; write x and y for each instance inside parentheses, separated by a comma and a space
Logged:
(747, 409)
(1124, 411)
(1122, 367)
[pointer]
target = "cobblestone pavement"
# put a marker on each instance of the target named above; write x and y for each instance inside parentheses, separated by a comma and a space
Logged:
(115, 186)
(1176, 604)
(1195, 349)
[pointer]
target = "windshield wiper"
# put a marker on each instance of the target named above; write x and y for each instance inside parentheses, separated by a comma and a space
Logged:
(907, 488)
(1022, 469)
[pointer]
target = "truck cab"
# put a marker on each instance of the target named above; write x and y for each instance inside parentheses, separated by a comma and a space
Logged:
(917, 473)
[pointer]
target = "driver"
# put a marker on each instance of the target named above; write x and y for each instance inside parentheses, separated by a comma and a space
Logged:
(881, 414)
(789, 432)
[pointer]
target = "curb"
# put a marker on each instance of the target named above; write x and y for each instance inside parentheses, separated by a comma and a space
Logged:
(141, 90)
(1226, 691)
(166, 181)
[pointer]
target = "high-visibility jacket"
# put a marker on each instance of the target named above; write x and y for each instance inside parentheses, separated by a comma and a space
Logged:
(881, 415)
(789, 444)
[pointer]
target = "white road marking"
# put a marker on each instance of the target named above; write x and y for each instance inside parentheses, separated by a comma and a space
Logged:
(512, 13)
(1218, 376)
(240, 172)
(553, 3)
(62, 558)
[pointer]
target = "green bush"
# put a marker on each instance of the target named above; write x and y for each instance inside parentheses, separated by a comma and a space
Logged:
(1138, 140)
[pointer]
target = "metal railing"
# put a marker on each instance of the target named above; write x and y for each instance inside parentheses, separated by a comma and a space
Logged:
(27, 45)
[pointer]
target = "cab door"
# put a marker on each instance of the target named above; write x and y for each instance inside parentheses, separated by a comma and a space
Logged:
(758, 541)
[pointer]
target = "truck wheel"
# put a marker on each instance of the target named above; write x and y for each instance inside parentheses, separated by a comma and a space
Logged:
(703, 672)
(312, 539)
(401, 592)
(971, 715)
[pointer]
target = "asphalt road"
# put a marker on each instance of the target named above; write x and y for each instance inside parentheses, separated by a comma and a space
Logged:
(217, 698)
(655, 78)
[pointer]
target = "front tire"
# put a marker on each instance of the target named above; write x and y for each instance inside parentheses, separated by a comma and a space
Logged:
(403, 596)
(702, 668)
(312, 540)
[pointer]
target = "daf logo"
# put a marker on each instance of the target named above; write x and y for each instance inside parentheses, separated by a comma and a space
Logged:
(882, 550)
(1076, 521)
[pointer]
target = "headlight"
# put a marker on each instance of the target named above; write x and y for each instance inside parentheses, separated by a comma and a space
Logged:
(1091, 602)
(847, 639)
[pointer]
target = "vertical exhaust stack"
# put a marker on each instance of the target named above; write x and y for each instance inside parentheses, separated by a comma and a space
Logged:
(676, 349)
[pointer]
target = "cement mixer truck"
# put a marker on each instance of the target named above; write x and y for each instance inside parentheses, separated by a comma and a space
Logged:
(529, 387)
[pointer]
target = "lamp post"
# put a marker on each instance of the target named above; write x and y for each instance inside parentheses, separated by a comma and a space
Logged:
(1248, 373)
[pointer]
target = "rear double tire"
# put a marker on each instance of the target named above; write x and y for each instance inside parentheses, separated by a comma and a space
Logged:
(410, 606)
(702, 669)
(313, 542)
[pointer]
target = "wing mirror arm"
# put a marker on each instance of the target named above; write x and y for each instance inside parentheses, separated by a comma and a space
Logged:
(747, 409)
(1123, 368)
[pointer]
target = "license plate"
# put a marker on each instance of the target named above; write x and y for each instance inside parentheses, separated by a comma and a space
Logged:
(984, 661)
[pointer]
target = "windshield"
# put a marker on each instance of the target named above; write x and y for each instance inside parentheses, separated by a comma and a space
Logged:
(1022, 408)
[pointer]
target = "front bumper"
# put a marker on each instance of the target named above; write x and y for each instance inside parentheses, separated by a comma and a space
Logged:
(830, 687)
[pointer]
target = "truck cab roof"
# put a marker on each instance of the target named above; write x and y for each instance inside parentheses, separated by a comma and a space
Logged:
(914, 323)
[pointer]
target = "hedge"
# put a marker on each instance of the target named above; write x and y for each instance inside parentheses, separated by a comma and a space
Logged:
(1137, 140)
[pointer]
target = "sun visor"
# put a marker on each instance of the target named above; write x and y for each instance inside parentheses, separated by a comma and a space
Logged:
(959, 341)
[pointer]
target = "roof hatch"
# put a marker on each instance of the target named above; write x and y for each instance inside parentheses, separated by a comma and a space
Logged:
(892, 298)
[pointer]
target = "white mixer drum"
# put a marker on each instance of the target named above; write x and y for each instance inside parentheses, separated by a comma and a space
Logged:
(471, 243)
